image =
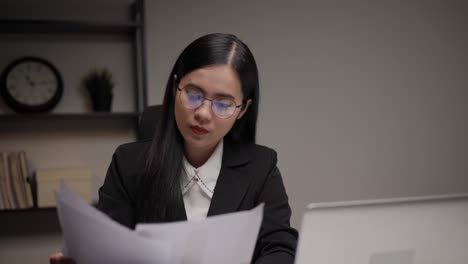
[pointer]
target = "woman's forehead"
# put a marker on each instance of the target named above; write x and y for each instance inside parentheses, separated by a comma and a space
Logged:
(215, 80)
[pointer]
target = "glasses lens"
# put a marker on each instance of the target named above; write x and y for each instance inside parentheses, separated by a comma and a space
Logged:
(192, 98)
(223, 107)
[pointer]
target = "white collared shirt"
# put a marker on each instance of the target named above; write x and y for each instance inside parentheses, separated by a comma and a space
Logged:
(199, 183)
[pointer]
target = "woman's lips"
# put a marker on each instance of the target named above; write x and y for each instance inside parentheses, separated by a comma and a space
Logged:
(198, 130)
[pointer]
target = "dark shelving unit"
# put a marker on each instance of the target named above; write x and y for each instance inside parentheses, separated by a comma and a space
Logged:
(36, 26)
(71, 121)
(134, 30)
(86, 122)
(28, 222)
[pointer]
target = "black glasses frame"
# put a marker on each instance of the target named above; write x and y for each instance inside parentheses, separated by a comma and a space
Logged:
(211, 101)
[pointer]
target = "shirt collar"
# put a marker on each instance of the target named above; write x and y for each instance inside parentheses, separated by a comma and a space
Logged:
(206, 175)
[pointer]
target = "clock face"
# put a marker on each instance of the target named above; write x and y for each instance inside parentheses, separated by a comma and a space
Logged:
(31, 85)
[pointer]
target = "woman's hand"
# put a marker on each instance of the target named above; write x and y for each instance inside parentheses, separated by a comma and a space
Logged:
(59, 258)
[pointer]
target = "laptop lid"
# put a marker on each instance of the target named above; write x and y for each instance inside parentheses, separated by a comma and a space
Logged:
(419, 230)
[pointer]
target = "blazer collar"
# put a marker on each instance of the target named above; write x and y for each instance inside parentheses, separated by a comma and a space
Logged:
(232, 184)
(235, 154)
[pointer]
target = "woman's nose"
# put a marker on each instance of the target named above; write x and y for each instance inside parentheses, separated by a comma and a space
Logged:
(203, 113)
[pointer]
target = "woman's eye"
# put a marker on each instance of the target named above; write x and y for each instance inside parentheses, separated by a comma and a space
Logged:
(221, 105)
(195, 96)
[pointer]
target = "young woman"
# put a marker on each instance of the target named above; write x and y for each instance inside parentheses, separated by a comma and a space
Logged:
(203, 160)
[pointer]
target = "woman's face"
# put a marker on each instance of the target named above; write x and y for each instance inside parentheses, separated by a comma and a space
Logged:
(201, 128)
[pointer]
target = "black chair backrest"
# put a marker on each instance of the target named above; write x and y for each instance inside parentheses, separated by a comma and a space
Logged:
(149, 119)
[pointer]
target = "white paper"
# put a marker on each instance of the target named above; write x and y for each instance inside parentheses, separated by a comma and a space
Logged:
(228, 238)
(92, 237)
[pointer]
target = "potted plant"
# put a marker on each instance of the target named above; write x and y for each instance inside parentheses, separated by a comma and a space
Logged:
(99, 85)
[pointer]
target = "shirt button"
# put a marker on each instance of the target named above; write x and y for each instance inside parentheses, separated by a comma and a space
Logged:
(195, 179)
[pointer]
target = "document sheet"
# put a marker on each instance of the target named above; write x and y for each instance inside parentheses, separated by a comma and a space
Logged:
(90, 236)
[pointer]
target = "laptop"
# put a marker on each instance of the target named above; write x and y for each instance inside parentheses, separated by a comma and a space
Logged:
(417, 230)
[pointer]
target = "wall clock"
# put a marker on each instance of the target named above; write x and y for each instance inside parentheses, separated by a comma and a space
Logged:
(31, 84)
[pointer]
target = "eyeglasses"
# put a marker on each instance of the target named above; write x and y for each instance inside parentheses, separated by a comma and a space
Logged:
(192, 98)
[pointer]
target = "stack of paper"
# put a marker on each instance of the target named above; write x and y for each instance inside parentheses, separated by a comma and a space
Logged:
(92, 237)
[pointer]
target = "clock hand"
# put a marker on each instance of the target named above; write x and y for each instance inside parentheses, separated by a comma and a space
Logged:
(43, 83)
(28, 79)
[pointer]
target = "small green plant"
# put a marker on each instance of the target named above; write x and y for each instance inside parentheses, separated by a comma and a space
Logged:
(99, 84)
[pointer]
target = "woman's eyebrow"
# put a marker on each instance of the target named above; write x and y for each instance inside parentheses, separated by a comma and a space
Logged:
(204, 92)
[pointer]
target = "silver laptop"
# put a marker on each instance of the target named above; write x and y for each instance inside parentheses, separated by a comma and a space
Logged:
(419, 230)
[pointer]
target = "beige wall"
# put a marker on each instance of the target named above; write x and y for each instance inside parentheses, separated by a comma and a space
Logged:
(361, 99)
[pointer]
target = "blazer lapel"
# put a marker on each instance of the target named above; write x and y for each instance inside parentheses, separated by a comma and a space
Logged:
(232, 184)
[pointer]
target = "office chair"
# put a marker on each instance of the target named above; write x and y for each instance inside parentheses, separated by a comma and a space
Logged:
(150, 117)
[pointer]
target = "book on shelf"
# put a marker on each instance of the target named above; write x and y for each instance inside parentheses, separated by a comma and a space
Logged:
(16, 192)
(21, 188)
(3, 199)
(14, 181)
(6, 184)
(25, 182)
(49, 179)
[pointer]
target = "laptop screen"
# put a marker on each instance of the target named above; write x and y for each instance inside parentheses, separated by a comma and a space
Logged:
(421, 230)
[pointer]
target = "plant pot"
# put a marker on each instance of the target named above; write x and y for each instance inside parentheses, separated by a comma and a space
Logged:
(101, 100)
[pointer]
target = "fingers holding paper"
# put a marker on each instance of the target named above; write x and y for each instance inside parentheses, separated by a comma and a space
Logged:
(59, 258)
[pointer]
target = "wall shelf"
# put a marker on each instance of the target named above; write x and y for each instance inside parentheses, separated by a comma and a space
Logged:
(74, 121)
(28, 222)
(40, 26)
(29, 210)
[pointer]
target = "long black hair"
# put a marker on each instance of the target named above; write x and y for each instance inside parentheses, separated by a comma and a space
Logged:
(161, 198)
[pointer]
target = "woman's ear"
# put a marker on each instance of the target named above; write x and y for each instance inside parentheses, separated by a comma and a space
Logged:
(247, 104)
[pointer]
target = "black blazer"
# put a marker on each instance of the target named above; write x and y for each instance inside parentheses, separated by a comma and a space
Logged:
(248, 177)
